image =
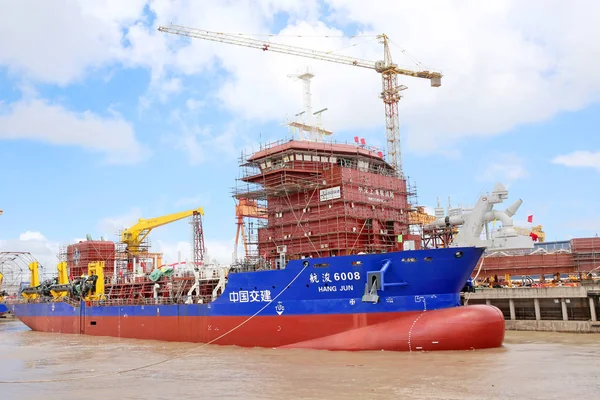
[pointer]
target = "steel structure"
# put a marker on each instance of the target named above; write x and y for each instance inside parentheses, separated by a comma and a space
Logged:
(324, 199)
(135, 235)
(197, 238)
(246, 208)
(388, 70)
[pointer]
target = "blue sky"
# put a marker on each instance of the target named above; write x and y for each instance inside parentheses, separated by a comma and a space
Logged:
(104, 120)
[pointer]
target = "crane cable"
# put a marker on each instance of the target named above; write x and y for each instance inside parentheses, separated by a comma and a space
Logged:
(291, 36)
(186, 353)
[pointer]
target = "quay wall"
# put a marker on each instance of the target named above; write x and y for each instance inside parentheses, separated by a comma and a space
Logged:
(557, 309)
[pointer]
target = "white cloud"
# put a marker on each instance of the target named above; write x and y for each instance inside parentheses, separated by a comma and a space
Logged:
(15, 269)
(503, 65)
(34, 236)
(110, 226)
(505, 168)
(57, 42)
(201, 143)
(36, 119)
(582, 159)
(220, 251)
(193, 104)
(217, 251)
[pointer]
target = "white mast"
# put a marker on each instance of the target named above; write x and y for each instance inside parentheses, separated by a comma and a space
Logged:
(316, 133)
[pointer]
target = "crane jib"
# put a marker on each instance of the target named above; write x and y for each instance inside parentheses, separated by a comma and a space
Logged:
(386, 68)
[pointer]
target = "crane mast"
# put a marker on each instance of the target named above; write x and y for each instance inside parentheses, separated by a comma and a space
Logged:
(389, 71)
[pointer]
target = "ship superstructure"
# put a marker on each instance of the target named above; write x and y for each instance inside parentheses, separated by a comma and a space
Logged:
(324, 199)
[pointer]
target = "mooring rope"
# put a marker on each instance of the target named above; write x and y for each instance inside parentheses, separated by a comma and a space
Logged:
(184, 354)
(468, 296)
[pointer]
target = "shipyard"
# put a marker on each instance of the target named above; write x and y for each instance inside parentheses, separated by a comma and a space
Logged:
(309, 201)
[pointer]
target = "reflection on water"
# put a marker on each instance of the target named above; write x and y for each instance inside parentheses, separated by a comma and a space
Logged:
(531, 365)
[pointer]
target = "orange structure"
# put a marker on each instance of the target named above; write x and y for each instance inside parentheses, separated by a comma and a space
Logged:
(244, 209)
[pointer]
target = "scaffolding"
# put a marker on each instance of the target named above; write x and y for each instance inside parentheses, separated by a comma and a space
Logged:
(322, 199)
(198, 250)
(119, 261)
(586, 253)
(78, 255)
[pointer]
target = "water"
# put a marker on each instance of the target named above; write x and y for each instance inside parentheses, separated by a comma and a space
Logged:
(531, 365)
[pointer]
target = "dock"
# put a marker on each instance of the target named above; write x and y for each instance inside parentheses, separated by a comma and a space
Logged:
(553, 309)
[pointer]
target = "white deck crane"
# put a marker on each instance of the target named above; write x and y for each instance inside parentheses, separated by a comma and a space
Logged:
(388, 70)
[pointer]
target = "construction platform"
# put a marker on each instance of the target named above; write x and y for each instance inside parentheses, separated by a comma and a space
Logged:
(556, 309)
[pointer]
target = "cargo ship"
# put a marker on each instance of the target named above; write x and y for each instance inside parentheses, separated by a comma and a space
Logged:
(330, 259)
(334, 266)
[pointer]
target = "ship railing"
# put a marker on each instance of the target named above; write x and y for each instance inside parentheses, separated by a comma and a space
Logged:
(43, 299)
(148, 301)
(69, 300)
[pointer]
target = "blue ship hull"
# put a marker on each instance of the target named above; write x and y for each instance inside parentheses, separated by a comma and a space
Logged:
(397, 301)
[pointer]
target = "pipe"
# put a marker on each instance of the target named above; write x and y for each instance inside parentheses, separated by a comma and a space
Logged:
(453, 220)
(514, 207)
(384, 268)
(501, 215)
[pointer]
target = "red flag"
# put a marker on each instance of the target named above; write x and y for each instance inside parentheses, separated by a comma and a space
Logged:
(530, 218)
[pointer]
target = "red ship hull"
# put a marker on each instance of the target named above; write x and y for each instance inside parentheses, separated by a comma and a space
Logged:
(457, 328)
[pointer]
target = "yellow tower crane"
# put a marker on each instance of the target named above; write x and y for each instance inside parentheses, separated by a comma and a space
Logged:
(135, 235)
(388, 70)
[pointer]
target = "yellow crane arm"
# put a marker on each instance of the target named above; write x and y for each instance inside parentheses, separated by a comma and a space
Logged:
(379, 66)
(538, 230)
(136, 234)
